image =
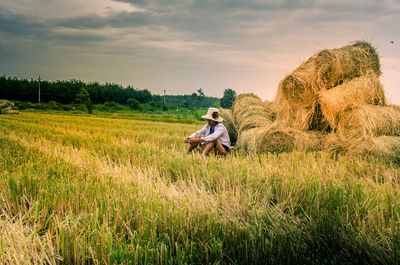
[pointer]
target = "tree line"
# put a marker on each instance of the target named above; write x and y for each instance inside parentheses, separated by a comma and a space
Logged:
(71, 91)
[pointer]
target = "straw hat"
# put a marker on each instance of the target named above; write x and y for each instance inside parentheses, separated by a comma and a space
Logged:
(213, 114)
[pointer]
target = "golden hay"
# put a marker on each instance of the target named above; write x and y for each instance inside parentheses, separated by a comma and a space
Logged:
(278, 139)
(303, 119)
(249, 112)
(395, 107)
(270, 106)
(229, 123)
(383, 147)
(299, 87)
(361, 90)
(332, 143)
(369, 120)
(337, 65)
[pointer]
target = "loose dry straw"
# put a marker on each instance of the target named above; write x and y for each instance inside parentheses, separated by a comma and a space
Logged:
(369, 120)
(229, 123)
(384, 147)
(358, 91)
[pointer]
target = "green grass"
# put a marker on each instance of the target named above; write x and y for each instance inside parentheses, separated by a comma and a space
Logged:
(89, 189)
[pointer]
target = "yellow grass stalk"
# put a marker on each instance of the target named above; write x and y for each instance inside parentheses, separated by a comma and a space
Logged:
(21, 244)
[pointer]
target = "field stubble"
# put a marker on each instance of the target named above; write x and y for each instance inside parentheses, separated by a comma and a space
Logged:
(99, 190)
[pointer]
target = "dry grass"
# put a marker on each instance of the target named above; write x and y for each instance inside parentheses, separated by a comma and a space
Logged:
(386, 148)
(364, 90)
(21, 244)
(111, 191)
(229, 123)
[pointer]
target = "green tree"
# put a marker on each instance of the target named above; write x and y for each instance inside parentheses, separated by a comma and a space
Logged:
(228, 98)
(133, 103)
(84, 97)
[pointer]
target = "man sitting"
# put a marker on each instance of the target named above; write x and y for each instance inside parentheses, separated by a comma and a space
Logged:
(213, 136)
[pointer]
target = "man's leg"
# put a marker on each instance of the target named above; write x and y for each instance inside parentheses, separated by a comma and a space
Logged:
(207, 148)
(219, 148)
(191, 147)
(216, 145)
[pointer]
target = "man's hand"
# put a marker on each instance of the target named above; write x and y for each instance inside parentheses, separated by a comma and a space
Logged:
(195, 140)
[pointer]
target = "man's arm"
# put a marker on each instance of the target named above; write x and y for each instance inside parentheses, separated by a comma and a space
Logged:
(219, 130)
(197, 135)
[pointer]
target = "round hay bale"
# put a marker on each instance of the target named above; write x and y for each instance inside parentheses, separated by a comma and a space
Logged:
(337, 65)
(247, 140)
(278, 139)
(383, 147)
(358, 91)
(298, 88)
(249, 112)
(229, 123)
(369, 120)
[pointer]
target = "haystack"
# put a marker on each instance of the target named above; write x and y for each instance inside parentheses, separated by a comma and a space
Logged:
(296, 100)
(358, 91)
(229, 123)
(368, 120)
(337, 65)
(278, 139)
(249, 112)
(7, 107)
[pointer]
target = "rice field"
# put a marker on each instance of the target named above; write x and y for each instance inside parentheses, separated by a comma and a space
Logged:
(92, 190)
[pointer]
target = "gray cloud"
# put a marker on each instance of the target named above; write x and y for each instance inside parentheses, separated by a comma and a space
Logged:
(15, 24)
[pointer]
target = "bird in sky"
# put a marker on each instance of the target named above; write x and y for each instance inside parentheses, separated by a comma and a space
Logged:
(392, 42)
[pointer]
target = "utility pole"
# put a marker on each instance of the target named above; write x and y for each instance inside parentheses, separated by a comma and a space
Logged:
(39, 89)
(164, 98)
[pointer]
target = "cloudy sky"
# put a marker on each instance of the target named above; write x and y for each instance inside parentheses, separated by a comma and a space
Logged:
(184, 45)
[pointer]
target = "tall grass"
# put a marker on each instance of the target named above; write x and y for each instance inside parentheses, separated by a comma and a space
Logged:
(93, 190)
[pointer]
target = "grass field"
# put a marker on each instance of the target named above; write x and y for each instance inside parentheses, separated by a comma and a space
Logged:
(95, 190)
